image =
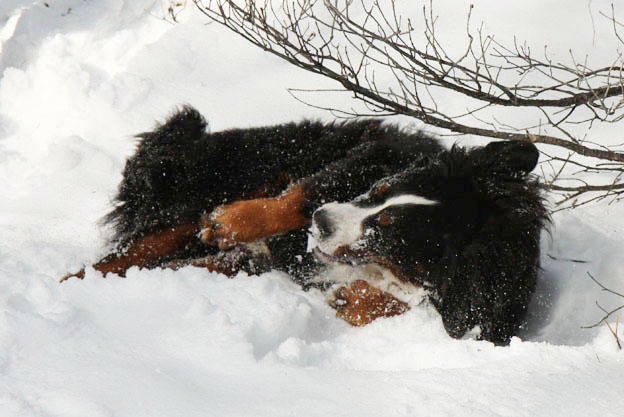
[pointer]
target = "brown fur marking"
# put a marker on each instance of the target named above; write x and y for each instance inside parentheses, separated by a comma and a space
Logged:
(251, 220)
(385, 220)
(381, 190)
(360, 303)
(79, 275)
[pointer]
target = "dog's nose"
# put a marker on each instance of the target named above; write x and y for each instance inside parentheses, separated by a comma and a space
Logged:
(322, 223)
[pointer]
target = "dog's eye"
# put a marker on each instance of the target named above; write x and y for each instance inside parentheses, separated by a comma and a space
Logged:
(385, 219)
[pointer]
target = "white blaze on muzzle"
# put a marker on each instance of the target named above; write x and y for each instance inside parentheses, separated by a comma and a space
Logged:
(346, 221)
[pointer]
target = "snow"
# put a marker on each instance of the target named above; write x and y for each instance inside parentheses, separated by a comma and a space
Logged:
(78, 79)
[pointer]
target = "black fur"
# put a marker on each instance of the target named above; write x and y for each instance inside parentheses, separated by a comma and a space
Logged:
(481, 247)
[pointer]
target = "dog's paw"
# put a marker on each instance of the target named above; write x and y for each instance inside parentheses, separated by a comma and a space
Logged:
(233, 224)
(360, 303)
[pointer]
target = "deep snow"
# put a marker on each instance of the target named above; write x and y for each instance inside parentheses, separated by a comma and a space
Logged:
(78, 79)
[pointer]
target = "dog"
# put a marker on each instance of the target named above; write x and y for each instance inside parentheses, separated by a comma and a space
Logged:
(464, 224)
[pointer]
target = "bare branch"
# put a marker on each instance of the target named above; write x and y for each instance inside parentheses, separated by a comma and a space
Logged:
(377, 54)
(607, 313)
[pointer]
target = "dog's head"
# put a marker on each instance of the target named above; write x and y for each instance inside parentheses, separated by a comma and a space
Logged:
(409, 221)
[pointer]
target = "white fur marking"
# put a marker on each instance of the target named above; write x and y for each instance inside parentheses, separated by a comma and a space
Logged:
(349, 219)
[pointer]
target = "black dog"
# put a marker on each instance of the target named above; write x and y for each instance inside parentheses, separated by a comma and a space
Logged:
(465, 224)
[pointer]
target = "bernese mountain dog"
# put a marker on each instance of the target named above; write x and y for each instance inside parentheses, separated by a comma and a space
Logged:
(464, 224)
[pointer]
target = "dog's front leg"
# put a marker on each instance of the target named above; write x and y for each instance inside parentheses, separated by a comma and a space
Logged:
(145, 251)
(251, 220)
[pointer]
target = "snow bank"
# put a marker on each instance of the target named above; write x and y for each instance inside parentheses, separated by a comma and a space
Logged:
(78, 79)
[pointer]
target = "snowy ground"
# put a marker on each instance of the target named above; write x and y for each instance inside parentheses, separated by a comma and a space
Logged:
(78, 79)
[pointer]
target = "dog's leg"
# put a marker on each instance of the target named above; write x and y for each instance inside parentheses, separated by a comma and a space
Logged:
(360, 303)
(145, 251)
(251, 220)
(254, 259)
(210, 263)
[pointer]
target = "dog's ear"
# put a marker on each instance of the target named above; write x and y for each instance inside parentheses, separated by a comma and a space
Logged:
(506, 158)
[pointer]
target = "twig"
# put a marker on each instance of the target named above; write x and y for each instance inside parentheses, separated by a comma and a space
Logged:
(615, 333)
(607, 313)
